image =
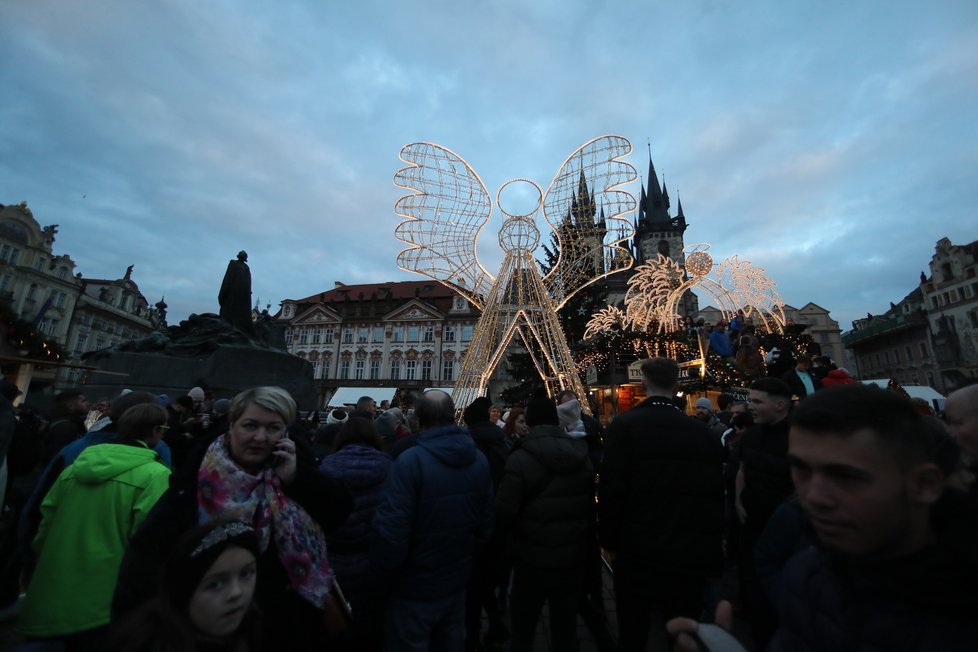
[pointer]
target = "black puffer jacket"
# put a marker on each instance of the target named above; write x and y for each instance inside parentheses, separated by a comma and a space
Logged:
(546, 499)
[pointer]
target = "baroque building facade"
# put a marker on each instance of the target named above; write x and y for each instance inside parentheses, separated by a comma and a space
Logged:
(931, 336)
(407, 335)
(44, 289)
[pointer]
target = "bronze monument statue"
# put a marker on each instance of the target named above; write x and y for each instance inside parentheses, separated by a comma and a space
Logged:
(235, 294)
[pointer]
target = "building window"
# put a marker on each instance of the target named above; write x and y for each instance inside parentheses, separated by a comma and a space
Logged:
(303, 336)
(362, 335)
(413, 333)
(395, 369)
(397, 334)
(449, 334)
(344, 369)
(4, 281)
(923, 350)
(31, 291)
(316, 334)
(913, 378)
(429, 334)
(426, 370)
(377, 334)
(374, 369)
(930, 378)
(288, 337)
(973, 316)
(896, 355)
(359, 370)
(886, 356)
(409, 370)
(466, 332)
(80, 343)
(347, 336)
(325, 369)
(909, 351)
(62, 273)
(328, 335)
(448, 370)
(39, 263)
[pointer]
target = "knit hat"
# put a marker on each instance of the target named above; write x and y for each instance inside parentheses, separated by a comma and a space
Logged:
(397, 414)
(221, 407)
(196, 393)
(569, 413)
(477, 412)
(541, 411)
(704, 402)
(196, 551)
(336, 416)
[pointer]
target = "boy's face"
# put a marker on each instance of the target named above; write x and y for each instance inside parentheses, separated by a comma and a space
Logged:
(856, 494)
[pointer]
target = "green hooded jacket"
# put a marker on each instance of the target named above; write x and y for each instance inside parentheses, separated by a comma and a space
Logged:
(88, 517)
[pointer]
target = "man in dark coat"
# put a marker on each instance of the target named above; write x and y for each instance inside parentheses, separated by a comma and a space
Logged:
(435, 506)
(67, 423)
(660, 508)
(800, 379)
(545, 501)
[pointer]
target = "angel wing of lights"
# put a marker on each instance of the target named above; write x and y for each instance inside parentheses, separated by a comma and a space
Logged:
(447, 208)
(591, 176)
(649, 292)
(604, 320)
(756, 294)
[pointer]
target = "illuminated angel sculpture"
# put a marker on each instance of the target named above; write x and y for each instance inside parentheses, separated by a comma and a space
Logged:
(448, 207)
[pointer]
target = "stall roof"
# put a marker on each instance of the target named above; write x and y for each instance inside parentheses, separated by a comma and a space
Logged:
(350, 395)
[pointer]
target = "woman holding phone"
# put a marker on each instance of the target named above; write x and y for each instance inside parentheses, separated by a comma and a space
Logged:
(257, 474)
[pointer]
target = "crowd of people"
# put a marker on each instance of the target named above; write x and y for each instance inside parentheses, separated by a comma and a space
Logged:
(238, 525)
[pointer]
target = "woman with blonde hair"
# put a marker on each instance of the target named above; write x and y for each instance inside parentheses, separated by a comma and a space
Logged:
(258, 474)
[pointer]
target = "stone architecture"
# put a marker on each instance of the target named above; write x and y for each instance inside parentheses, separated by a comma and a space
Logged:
(408, 335)
(656, 232)
(896, 344)
(950, 296)
(107, 313)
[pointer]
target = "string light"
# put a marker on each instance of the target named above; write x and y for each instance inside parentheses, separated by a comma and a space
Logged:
(443, 216)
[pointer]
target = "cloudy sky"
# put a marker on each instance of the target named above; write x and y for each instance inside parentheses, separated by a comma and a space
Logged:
(830, 142)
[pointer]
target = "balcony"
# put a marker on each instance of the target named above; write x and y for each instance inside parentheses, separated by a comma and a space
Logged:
(882, 326)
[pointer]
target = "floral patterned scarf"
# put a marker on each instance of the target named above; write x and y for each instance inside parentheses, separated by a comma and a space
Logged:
(225, 490)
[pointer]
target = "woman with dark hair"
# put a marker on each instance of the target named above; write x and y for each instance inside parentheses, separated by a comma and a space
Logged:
(205, 602)
(361, 465)
(515, 427)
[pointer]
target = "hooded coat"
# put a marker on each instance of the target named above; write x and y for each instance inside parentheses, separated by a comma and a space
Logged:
(88, 518)
(436, 504)
(546, 498)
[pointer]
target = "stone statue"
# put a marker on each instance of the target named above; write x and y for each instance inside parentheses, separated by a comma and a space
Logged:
(235, 295)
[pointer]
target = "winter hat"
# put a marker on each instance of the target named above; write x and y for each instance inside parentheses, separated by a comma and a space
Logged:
(704, 402)
(164, 400)
(397, 414)
(541, 411)
(569, 413)
(221, 407)
(196, 551)
(477, 412)
(336, 416)
(196, 394)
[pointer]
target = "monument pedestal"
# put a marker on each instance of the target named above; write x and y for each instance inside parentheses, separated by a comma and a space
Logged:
(225, 371)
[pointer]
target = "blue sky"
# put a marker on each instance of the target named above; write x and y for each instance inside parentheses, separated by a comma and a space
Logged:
(831, 143)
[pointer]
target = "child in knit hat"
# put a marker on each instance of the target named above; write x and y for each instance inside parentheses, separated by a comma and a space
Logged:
(206, 596)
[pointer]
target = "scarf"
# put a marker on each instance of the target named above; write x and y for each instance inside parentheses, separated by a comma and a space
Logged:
(225, 490)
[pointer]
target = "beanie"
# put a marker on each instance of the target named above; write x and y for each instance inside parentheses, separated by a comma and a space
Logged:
(196, 551)
(541, 411)
(569, 413)
(221, 407)
(196, 393)
(704, 402)
(477, 412)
